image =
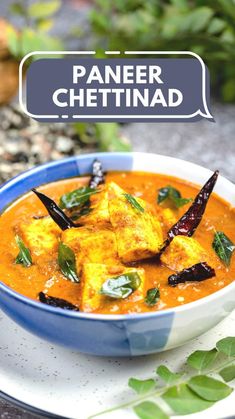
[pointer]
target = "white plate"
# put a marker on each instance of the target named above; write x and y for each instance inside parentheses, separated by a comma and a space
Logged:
(75, 385)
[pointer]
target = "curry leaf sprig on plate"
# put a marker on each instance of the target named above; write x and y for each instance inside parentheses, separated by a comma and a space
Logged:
(133, 201)
(121, 286)
(223, 246)
(67, 262)
(24, 256)
(203, 383)
(77, 198)
(173, 196)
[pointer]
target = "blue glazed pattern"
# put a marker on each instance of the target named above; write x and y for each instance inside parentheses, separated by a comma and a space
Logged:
(108, 335)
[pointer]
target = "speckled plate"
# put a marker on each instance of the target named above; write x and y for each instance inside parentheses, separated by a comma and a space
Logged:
(73, 385)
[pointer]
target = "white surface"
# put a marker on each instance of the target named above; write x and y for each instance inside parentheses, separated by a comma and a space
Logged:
(77, 385)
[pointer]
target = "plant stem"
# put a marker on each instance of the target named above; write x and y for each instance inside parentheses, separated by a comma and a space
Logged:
(155, 393)
(222, 366)
(158, 392)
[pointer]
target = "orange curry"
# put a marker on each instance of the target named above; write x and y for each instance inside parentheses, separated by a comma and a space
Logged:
(109, 242)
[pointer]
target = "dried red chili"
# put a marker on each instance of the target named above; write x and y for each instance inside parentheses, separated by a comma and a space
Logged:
(198, 272)
(97, 177)
(56, 302)
(188, 223)
(56, 213)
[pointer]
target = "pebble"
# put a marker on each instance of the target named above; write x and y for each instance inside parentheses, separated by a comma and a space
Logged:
(64, 145)
(25, 143)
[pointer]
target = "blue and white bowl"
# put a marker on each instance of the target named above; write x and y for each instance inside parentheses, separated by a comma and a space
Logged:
(116, 335)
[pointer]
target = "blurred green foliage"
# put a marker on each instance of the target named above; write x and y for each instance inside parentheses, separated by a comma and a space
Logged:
(205, 27)
(38, 20)
(105, 136)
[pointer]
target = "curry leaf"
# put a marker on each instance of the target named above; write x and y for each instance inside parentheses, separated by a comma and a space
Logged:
(121, 286)
(200, 360)
(152, 296)
(227, 346)
(43, 9)
(223, 246)
(80, 212)
(228, 373)
(208, 388)
(134, 203)
(187, 395)
(67, 262)
(173, 195)
(77, 197)
(184, 401)
(24, 255)
(168, 376)
(149, 410)
(141, 386)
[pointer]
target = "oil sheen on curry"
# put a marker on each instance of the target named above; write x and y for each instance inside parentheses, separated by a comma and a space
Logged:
(126, 242)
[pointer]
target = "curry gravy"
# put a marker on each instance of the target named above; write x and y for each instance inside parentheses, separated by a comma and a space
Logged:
(44, 275)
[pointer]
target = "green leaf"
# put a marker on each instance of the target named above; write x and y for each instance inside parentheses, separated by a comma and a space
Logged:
(24, 255)
(30, 41)
(44, 25)
(77, 197)
(216, 26)
(141, 386)
(208, 388)
(168, 376)
(109, 138)
(173, 195)
(121, 286)
(133, 201)
(228, 90)
(197, 19)
(149, 410)
(84, 210)
(152, 296)
(200, 360)
(67, 262)
(43, 9)
(33, 41)
(17, 8)
(227, 346)
(180, 4)
(223, 246)
(183, 401)
(13, 42)
(85, 131)
(228, 373)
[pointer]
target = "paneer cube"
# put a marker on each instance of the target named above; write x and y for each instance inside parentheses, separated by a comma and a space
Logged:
(93, 277)
(139, 234)
(91, 244)
(99, 214)
(168, 218)
(40, 235)
(184, 252)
